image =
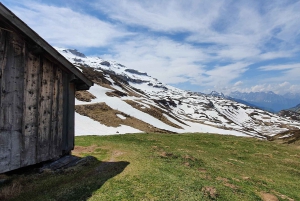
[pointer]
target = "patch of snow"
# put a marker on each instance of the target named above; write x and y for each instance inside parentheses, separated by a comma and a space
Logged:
(285, 136)
(87, 126)
(121, 116)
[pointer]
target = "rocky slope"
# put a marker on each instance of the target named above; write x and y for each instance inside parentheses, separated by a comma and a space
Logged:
(296, 109)
(292, 113)
(126, 100)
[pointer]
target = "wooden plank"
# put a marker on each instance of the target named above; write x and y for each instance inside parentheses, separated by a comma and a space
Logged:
(2, 45)
(18, 81)
(71, 117)
(16, 148)
(18, 99)
(5, 146)
(54, 118)
(5, 137)
(60, 112)
(11, 109)
(30, 118)
(45, 109)
(65, 113)
(2, 63)
(7, 87)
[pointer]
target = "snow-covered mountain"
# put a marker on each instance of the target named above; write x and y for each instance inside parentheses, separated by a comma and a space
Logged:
(268, 100)
(125, 100)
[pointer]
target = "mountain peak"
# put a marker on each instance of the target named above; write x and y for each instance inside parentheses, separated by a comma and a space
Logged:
(75, 52)
(217, 94)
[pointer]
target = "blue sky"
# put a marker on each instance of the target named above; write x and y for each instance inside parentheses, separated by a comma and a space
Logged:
(199, 45)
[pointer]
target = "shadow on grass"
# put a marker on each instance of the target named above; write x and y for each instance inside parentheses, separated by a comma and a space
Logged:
(74, 183)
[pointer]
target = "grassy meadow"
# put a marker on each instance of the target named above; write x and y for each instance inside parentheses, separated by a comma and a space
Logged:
(166, 167)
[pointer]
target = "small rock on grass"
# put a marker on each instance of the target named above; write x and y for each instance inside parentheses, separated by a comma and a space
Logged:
(210, 191)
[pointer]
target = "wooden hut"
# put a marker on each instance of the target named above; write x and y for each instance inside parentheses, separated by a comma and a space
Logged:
(37, 96)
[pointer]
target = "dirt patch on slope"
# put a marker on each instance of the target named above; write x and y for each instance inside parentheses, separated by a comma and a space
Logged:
(106, 115)
(98, 77)
(268, 197)
(116, 93)
(79, 149)
(84, 96)
(287, 137)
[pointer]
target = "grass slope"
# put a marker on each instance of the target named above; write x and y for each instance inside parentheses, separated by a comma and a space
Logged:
(168, 167)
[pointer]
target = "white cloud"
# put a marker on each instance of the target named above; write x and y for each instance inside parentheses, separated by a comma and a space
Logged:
(288, 72)
(238, 83)
(223, 75)
(163, 15)
(212, 44)
(64, 27)
(169, 61)
(280, 88)
(279, 54)
(280, 67)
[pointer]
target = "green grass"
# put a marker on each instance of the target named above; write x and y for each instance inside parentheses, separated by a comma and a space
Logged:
(169, 167)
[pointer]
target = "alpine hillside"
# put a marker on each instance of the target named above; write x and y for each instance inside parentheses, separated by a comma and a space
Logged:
(292, 113)
(124, 100)
(296, 108)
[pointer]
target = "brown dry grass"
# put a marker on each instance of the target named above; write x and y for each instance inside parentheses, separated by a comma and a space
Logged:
(96, 76)
(153, 111)
(8, 192)
(131, 92)
(116, 93)
(293, 138)
(126, 87)
(99, 78)
(84, 96)
(268, 197)
(80, 149)
(210, 192)
(106, 115)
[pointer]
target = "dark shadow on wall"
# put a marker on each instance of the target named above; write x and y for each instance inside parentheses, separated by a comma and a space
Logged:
(78, 182)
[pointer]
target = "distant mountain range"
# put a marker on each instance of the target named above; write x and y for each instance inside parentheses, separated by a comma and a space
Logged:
(267, 100)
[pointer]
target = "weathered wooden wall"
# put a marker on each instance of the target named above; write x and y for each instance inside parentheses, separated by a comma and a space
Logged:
(11, 108)
(36, 105)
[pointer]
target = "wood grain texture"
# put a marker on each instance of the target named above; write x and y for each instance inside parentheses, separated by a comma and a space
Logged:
(54, 116)
(5, 147)
(11, 110)
(60, 112)
(30, 118)
(71, 116)
(5, 137)
(37, 99)
(65, 112)
(45, 109)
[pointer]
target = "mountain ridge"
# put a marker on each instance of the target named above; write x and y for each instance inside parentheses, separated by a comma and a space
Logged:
(140, 103)
(291, 113)
(268, 100)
